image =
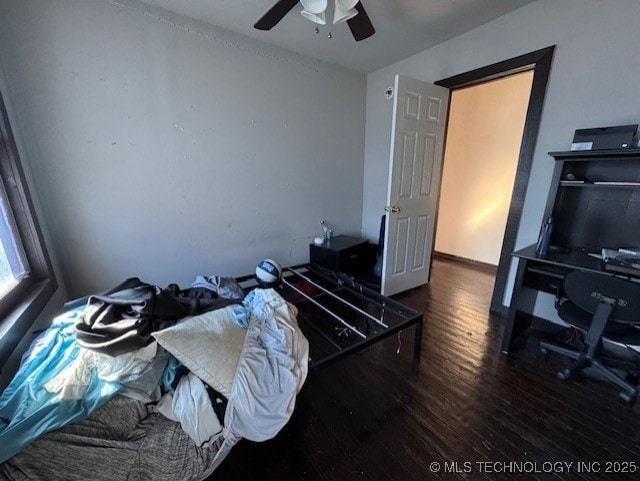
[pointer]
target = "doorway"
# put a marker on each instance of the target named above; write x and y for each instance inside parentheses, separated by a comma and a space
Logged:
(540, 63)
(484, 133)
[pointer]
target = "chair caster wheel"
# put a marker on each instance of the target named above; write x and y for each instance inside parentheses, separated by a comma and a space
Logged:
(563, 375)
(627, 397)
(543, 351)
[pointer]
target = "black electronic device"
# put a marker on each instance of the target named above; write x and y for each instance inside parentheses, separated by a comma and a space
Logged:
(624, 264)
(605, 138)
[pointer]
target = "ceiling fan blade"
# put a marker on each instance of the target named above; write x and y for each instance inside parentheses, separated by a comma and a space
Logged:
(275, 14)
(360, 25)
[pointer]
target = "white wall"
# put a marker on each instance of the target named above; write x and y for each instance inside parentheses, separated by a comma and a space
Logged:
(166, 148)
(484, 135)
(594, 82)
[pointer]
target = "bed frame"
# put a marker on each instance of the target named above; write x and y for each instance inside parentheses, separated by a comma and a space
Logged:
(337, 315)
(340, 317)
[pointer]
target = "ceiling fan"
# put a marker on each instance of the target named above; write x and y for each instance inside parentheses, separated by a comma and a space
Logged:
(359, 24)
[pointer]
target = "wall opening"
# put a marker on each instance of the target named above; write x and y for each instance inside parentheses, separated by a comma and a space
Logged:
(484, 136)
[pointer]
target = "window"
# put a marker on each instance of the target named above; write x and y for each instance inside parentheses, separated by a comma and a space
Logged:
(13, 265)
(26, 277)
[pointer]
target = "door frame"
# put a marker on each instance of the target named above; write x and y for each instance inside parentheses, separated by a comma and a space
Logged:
(540, 62)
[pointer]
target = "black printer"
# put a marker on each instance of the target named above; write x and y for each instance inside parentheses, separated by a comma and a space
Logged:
(605, 138)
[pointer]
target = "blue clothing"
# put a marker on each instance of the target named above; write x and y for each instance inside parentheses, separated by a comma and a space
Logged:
(173, 372)
(241, 316)
(27, 409)
(262, 303)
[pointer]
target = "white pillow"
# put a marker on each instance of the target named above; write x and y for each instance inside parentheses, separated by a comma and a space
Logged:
(209, 345)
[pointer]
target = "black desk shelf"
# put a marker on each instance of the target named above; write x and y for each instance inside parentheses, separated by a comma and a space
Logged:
(596, 154)
(608, 184)
(602, 211)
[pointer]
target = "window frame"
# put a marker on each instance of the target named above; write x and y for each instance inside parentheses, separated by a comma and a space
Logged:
(20, 307)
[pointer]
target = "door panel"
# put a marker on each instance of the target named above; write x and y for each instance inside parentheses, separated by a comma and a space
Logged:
(421, 244)
(427, 167)
(418, 127)
(401, 240)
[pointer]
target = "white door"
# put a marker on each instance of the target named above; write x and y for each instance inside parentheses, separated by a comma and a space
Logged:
(417, 143)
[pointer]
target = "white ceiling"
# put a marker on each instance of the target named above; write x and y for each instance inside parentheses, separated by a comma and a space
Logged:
(403, 27)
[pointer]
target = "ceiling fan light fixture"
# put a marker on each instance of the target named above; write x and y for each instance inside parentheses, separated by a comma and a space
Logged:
(357, 18)
(314, 10)
(345, 10)
(319, 18)
(314, 6)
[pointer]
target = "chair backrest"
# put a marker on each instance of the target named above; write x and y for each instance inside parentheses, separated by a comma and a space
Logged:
(588, 289)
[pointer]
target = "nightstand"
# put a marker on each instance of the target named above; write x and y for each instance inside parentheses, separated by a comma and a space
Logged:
(342, 253)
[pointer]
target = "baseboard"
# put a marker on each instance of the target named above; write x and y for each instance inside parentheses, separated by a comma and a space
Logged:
(501, 311)
(482, 265)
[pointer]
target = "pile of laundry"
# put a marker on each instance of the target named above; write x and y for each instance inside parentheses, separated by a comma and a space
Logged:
(217, 361)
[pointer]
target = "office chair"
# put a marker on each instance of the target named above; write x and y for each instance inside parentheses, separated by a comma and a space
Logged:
(603, 307)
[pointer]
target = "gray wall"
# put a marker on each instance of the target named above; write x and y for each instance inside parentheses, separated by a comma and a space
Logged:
(594, 82)
(165, 148)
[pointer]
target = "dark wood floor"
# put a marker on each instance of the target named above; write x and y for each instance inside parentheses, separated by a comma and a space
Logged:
(372, 417)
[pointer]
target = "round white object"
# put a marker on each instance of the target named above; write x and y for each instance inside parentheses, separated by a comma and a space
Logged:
(268, 273)
(315, 6)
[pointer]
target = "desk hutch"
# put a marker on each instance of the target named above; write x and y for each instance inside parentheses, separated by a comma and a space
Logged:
(595, 202)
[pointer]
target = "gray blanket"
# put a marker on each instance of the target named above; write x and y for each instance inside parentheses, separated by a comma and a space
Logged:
(122, 440)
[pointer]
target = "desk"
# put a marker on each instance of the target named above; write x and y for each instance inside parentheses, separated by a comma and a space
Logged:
(599, 209)
(536, 274)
